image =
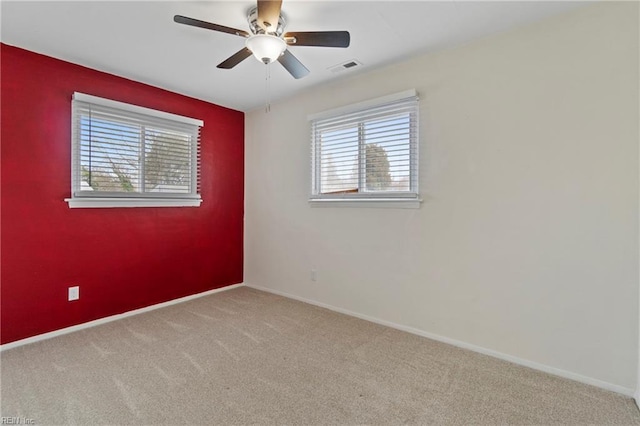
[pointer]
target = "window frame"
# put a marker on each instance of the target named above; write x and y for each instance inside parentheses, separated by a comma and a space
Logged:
(105, 199)
(392, 199)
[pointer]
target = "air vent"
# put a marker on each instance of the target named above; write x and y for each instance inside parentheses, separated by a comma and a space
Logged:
(349, 65)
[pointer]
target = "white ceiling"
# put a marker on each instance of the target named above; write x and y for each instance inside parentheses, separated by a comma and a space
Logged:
(140, 41)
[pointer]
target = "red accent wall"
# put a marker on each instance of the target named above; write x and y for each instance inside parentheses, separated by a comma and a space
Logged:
(122, 258)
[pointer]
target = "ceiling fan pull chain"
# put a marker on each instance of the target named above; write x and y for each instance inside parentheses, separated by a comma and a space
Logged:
(267, 79)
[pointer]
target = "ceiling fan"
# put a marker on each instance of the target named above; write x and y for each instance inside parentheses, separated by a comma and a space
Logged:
(267, 40)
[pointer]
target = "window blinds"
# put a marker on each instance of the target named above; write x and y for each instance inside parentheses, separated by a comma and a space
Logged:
(368, 151)
(122, 150)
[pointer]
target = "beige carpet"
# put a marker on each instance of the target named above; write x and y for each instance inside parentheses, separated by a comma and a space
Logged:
(249, 357)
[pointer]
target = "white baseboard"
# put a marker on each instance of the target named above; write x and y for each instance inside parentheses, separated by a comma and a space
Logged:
(116, 317)
(524, 362)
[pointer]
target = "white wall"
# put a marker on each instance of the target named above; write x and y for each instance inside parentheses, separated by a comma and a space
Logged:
(527, 241)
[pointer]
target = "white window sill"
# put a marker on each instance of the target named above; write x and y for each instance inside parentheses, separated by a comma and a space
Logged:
(390, 203)
(131, 202)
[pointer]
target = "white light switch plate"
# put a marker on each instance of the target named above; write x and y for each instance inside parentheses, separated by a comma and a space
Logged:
(74, 293)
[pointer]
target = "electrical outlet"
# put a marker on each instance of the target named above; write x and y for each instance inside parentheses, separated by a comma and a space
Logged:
(74, 293)
(314, 275)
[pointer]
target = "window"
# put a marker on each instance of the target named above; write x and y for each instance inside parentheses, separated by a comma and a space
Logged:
(367, 153)
(129, 156)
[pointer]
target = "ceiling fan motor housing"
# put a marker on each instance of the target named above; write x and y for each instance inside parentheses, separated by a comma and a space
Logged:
(256, 28)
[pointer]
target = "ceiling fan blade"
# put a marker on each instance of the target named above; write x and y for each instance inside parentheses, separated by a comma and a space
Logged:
(235, 59)
(269, 14)
(319, 38)
(209, 26)
(293, 65)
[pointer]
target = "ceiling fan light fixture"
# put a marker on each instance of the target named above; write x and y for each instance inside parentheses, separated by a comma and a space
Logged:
(266, 48)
